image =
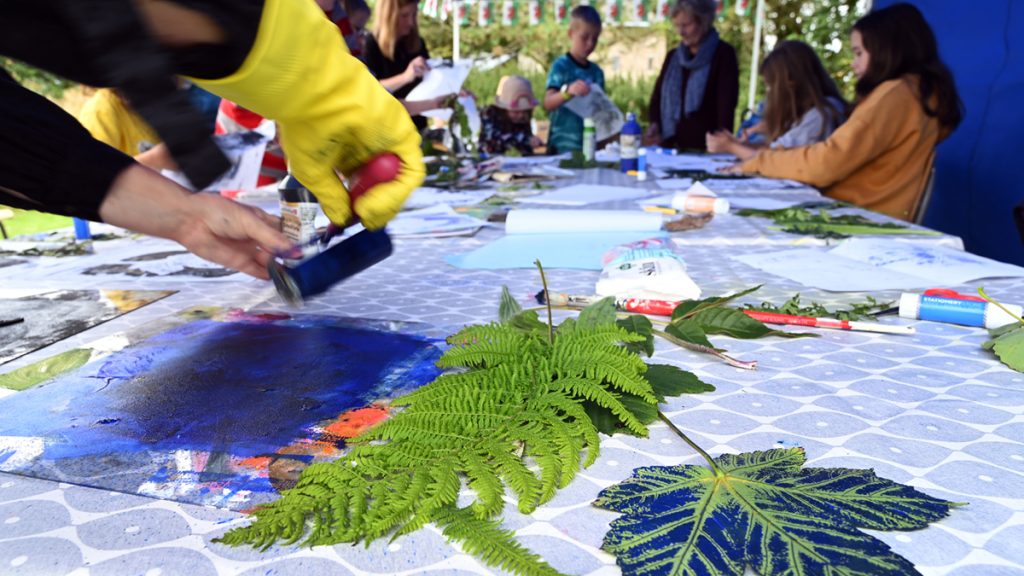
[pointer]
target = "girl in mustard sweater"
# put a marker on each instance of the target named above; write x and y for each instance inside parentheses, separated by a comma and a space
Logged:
(906, 103)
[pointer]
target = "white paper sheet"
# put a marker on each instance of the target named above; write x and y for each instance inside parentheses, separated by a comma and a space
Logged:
(675, 183)
(441, 80)
(436, 221)
(760, 203)
(583, 194)
(820, 269)
(664, 200)
(426, 196)
(940, 265)
(608, 119)
(577, 221)
(862, 265)
(756, 184)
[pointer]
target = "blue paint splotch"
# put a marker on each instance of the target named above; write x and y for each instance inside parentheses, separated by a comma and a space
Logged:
(242, 388)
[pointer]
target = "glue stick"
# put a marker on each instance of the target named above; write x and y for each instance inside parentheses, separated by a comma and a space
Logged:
(967, 311)
(697, 203)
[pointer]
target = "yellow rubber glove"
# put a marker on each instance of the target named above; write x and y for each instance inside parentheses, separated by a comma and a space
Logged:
(330, 111)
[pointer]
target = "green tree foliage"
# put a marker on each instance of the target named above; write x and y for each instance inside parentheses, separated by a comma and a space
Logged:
(824, 24)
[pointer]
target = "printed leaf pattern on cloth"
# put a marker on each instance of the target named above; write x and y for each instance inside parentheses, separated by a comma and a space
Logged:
(763, 510)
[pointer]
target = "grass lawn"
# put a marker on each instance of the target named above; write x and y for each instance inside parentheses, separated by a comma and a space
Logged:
(30, 222)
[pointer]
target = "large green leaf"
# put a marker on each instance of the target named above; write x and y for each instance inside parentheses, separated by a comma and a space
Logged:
(668, 381)
(761, 509)
(733, 322)
(689, 331)
(1008, 344)
(640, 325)
(39, 372)
(597, 314)
(688, 308)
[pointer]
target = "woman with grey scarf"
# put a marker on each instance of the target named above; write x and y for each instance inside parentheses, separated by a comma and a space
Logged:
(698, 87)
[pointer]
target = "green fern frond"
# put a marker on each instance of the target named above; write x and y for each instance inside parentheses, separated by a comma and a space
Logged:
(586, 389)
(509, 420)
(493, 544)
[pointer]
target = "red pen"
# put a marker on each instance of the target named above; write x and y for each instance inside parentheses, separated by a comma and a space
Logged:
(810, 321)
(638, 305)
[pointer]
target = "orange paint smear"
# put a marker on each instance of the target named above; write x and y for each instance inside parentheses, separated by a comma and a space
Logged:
(355, 422)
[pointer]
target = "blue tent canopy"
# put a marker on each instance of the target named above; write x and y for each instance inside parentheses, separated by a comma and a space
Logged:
(980, 168)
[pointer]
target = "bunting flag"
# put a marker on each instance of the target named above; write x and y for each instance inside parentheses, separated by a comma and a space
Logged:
(536, 12)
(446, 9)
(723, 6)
(430, 8)
(509, 13)
(485, 12)
(612, 11)
(661, 12)
(561, 11)
(742, 7)
(638, 13)
(462, 13)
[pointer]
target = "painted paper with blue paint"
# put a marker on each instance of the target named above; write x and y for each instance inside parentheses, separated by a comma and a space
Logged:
(186, 413)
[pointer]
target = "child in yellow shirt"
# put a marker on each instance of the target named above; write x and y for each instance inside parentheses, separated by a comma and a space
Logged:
(109, 119)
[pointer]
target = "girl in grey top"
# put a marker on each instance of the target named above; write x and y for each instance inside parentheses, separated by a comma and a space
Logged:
(802, 103)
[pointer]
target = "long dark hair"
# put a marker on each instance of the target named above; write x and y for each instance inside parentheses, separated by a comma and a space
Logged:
(900, 41)
(797, 82)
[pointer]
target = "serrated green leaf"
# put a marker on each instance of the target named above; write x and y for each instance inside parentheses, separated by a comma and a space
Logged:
(597, 314)
(687, 308)
(641, 325)
(688, 331)
(529, 322)
(508, 306)
(39, 372)
(761, 509)
(668, 381)
(1008, 345)
(732, 322)
(608, 423)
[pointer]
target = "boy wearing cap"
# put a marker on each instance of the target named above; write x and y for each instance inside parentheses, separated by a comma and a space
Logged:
(506, 123)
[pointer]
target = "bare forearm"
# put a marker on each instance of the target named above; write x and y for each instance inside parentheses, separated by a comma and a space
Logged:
(553, 99)
(394, 83)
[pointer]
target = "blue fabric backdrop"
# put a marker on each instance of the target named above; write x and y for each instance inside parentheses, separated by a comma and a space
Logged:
(980, 168)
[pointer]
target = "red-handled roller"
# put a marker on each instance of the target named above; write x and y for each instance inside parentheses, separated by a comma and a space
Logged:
(379, 169)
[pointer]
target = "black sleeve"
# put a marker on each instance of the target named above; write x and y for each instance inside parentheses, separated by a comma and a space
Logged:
(48, 161)
(105, 43)
(728, 88)
(373, 57)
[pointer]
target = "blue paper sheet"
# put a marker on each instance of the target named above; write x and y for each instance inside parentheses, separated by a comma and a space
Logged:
(580, 251)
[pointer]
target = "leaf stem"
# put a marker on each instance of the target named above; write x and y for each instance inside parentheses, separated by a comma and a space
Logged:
(547, 299)
(744, 364)
(1001, 307)
(707, 457)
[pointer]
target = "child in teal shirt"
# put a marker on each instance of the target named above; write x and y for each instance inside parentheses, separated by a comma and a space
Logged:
(572, 75)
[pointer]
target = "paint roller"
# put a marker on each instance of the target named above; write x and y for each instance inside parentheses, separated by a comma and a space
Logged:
(348, 257)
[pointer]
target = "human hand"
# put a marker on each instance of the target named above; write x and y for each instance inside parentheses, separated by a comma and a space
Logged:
(732, 169)
(749, 131)
(416, 69)
(536, 142)
(579, 88)
(210, 226)
(720, 141)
